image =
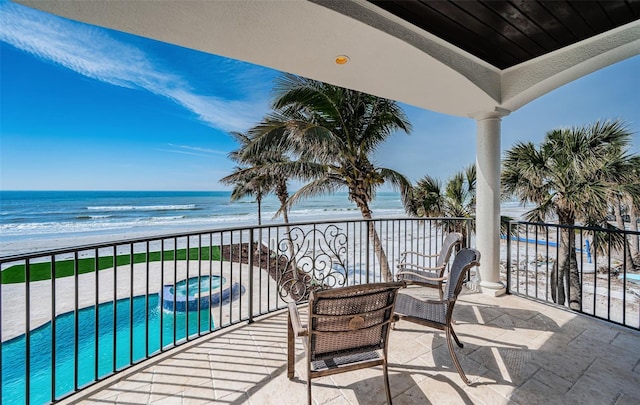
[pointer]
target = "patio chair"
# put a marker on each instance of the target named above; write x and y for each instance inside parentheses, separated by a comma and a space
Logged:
(347, 329)
(433, 277)
(437, 313)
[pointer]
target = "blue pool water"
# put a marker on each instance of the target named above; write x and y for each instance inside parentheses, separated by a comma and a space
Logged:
(13, 351)
(197, 285)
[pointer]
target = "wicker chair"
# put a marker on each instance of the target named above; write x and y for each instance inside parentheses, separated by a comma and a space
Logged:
(348, 329)
(437, 313)
(434, 277)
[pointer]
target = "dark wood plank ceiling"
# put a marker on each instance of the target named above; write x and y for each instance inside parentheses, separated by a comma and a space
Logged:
(507, 33)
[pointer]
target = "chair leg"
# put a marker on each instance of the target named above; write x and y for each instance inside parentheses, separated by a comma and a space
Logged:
(309, 390)
(455, 337)
(386, 382)
(456, 363)
(291, 349)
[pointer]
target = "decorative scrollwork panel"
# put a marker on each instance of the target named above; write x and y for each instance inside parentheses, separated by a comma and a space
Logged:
(315, 259)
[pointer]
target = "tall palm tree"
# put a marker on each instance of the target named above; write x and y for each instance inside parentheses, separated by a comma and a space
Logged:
(624, 201)
(333, 132)
(633, 205)
(275, 161)
(246, 178)
(570, 176)
(456, 198)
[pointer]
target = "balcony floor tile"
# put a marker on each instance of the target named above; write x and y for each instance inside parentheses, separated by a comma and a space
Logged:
(516, 352)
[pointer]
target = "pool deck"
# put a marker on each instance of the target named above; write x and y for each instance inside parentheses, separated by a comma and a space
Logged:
(516, 352)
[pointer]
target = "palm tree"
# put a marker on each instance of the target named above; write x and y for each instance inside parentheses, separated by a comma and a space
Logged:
(456, 199)
(624, 201)
(275, 162)
(333, 132)
(570, 176)
(246, 178)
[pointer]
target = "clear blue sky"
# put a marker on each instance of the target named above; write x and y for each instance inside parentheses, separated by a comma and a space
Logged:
(85, 108)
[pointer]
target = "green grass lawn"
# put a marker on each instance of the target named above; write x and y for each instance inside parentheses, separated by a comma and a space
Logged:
(65, 268)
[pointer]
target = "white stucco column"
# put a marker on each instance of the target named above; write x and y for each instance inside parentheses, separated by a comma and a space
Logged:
(488, 200)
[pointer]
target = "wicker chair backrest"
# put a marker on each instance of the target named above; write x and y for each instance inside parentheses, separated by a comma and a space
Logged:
(350, 320)
(464, 260)
(450, 241)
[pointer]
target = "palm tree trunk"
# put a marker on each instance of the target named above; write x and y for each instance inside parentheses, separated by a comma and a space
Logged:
(283, 196)
(635, 243)
(630, 249)
(565, 274)
(385, 270)
(618, 214)
(626, 246)
(380, 253)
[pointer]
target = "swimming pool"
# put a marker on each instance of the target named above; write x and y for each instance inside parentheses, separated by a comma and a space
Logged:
(193, 293)
(147, 315)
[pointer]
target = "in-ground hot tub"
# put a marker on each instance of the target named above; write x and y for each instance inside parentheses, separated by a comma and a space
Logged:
(196, 293)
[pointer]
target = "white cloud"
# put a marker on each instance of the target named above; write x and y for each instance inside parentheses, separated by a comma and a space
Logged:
(235, 114)
(183, 152)
(193, 150)
(92, 52)
(199, 149)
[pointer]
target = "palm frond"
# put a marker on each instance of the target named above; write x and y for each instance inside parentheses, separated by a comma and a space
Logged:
(315, 188)
(574, 173)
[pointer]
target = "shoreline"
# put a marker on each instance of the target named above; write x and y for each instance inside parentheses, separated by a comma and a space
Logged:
(15, 246)
(46, 242)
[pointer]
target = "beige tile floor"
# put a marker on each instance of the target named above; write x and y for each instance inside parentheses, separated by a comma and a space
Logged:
(515, 352)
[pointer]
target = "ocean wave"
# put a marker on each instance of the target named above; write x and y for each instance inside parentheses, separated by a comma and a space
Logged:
(115, 224)
(47, 228)
(92, 217)
(143, 207)
(163, 219)
(110, 223)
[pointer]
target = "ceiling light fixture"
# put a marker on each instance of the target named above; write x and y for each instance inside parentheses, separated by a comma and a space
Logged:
(342, 60)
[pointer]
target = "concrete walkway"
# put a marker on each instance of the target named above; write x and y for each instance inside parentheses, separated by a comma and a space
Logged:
(515, 352)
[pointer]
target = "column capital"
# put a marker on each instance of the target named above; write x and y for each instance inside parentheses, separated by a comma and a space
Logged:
(496, 113)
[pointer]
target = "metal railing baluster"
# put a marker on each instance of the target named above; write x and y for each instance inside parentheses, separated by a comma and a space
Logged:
(96, 315)
(250, 282)
(76, 322)
(53, 327)
(27, 326)
(114, 303)
(146, 303)
(131, 304)
(175, 286)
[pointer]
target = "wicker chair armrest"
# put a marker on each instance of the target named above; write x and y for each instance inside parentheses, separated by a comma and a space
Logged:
(404, 255)
(437, 302)
(423, 277)
(418, 267)
(434, 301)
(298, 329)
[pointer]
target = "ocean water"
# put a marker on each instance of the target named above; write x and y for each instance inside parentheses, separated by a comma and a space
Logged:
(36, 220)
(37, 215)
